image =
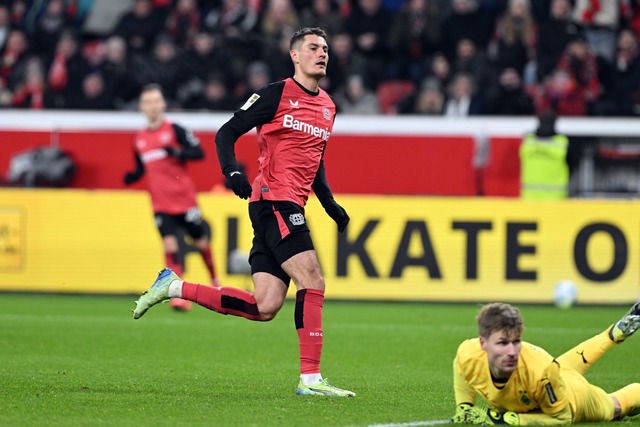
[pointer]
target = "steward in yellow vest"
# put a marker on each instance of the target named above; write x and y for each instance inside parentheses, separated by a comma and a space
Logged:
(544, 172)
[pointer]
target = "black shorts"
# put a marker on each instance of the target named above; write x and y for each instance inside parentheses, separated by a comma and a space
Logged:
(191, 222)
(279, 232)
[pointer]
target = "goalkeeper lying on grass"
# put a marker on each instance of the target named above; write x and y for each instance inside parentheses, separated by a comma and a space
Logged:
(524, 385)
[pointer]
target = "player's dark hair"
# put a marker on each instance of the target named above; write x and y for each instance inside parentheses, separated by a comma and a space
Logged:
(302, 32)
(498, 316)
(151, 87)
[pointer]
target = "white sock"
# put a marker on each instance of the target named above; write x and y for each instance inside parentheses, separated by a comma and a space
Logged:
(175, 289)
(308, 379)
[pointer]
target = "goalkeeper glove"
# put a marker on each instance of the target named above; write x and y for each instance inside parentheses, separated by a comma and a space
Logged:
(239, 183)
(468, 414)
(337, 213)
(461, 412)
(495, 417)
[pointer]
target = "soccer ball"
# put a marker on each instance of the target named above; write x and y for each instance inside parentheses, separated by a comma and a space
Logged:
(565, 294)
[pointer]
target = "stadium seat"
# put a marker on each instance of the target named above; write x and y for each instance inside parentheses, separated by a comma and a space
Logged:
(392, 91)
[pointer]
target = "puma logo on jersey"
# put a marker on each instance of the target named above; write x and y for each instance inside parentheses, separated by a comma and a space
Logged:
(584, 359)
(294, 104)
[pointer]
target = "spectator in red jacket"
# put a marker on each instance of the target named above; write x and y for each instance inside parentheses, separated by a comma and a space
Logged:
(580, 62)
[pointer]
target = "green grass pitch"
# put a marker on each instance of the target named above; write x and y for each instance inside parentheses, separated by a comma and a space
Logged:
(83, 361)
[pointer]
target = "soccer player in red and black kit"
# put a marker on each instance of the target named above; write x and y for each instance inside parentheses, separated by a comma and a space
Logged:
(294, 119)
(161, 151)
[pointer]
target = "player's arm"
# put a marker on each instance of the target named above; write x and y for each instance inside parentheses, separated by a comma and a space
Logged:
(259, 109)
(482, 415)
(323, 192)
(190, 148)
(133, 176)
(554, 400)
(463, 392)
(541, 419)
(465, 395)
(487, 416)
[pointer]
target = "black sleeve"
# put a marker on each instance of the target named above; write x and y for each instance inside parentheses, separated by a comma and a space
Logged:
(135, 175)
(320, 185)
(191, 148)
(259, 109)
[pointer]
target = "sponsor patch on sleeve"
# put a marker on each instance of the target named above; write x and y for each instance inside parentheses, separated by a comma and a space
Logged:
(552, 396)
(252, 99)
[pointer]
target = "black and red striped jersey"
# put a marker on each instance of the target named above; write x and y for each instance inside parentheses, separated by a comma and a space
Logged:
(293, 126)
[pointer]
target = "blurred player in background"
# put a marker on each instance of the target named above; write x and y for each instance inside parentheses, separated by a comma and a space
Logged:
(293, 119)
(525, 385)
(161, 151)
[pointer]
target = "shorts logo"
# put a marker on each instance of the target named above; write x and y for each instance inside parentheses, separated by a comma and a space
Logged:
(296, 219)
(193, 215)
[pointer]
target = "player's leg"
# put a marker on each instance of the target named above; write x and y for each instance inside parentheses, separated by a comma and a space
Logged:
(591, 403)
(204, 247)
(168, 228)
(270, 283)
(282, 235)
(585, 354)
(305, 271)
(301, 264)
(627, 325)
(199, 231)
(172, 253)
(627, 401)
(261, 306)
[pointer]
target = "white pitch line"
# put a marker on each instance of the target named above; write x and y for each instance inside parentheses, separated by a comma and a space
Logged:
(410, 424)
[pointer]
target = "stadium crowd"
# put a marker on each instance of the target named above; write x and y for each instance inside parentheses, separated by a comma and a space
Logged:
(426, 57)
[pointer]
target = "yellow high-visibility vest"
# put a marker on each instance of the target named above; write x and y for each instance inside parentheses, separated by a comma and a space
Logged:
(544, 172)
